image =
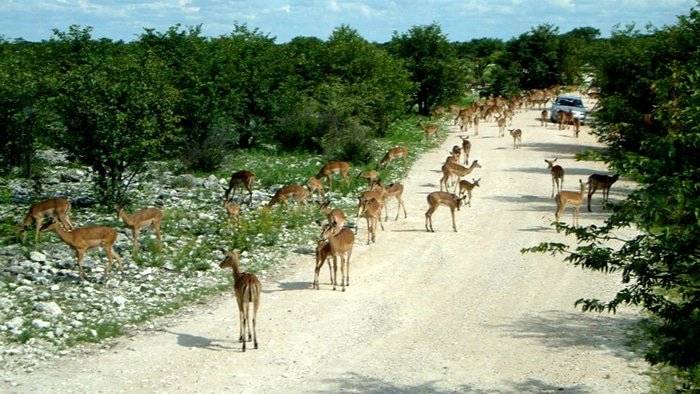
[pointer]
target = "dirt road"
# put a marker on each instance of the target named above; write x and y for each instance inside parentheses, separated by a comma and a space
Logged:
(425, 312)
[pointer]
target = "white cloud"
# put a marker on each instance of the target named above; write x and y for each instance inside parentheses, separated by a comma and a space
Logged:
(563, 4)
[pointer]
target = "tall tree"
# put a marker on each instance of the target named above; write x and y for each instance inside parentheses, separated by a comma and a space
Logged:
(433, 64)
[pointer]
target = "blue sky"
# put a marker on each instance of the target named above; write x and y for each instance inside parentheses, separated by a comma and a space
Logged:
(460, 20)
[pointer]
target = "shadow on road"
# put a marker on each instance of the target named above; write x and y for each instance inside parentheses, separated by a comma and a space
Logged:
(188, 340)
(357, 383)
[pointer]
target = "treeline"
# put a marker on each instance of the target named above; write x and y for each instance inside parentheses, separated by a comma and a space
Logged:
(179, 95)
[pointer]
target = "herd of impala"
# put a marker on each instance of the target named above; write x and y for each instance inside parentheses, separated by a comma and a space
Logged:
(336, 240)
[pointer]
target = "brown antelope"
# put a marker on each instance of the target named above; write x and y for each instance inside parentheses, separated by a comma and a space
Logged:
(501, 121)
(373, 213)
(435, 199)
(456, 151)
(85, 238)
(571, 198)
(577, 126)
(336, 215)
(283, 194)
(341, 241)
(543, 118)
(233, 212)
(602, 182)
(466, 148)
(475, 121)
(315, 186)
(466, 187)
(437, 111)
(140, 219)
(370, 175)
(451, 158)
(332, 168)
(508, 115)
(565, 119)
(433, 129)
(395, 190)
(452, 170)
(517, 135)
(53, 207)
(243, 178)
(247, 288)
(323, 252)
(557, 175)
(395, 153)
(378, 193)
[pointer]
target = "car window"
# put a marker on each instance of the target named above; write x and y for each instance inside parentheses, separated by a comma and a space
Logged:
(570, 102)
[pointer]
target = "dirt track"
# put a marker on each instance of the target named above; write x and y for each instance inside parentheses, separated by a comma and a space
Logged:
(442, 312)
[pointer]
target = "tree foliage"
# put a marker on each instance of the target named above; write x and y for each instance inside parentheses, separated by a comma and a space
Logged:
(649, 120)
(116, 110)
(433, 65)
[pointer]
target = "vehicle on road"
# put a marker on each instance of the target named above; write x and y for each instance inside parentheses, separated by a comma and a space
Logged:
(566, 103)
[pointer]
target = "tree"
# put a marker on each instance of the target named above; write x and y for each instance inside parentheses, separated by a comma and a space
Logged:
(117, 112)
(433, 64)
(535, 57)
(660, 267)
(478, 55)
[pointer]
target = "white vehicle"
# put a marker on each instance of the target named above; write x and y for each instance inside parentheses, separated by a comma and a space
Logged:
(566, 103)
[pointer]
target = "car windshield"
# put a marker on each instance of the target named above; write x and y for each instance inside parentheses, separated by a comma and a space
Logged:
(570, 102)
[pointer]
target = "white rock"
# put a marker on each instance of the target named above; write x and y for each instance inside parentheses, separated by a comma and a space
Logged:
(50, 308)
(38, 323)
(37, 256)
(15, 323)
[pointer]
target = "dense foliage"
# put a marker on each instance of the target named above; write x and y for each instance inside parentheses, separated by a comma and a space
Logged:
(650, 94)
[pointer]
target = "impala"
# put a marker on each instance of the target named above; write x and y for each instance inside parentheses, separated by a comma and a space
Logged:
(501, 122)
(378, 193)
(517, 135)
(323, 252)
(565, 118)
(373, 213)
(53, 207)
(603, 182)
(466, 148)
(557, 175)
(315, 186)
(297, 192)
(341, 242)
(243, 178)
(247, 288)
(332, 168)
(452, 170)
(543, 118)
(437, 111)
(140, 219)
(395, 153)
(395, 190)
(466, 187)
(85, 238)
(233, 212)
(370, 175)
(336, 215)
(435, 199)
(577, 126)
(571, 198)
(433, 129)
